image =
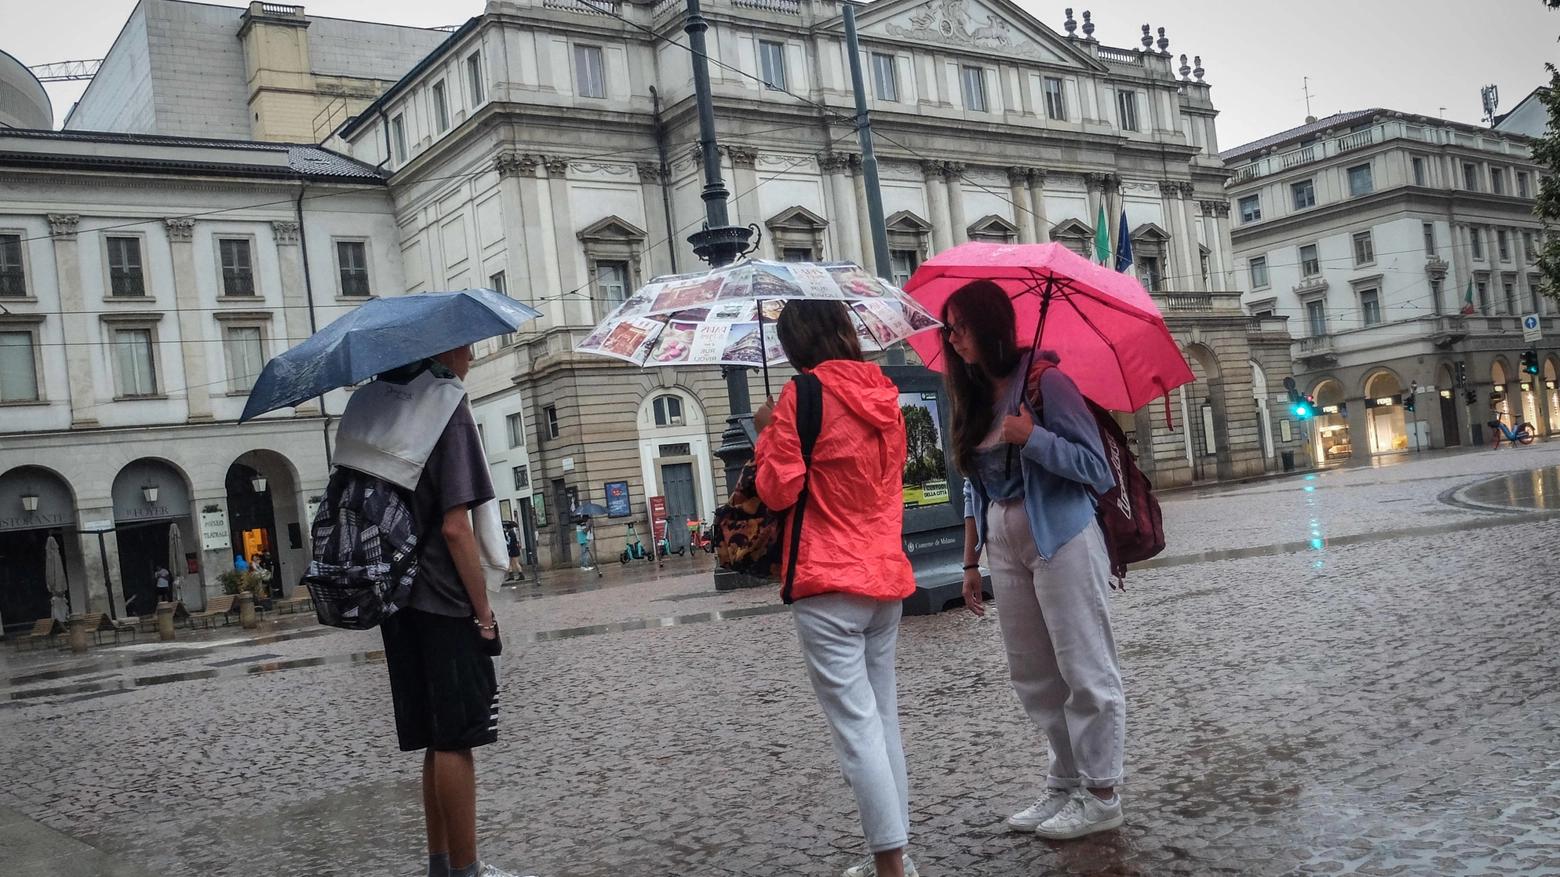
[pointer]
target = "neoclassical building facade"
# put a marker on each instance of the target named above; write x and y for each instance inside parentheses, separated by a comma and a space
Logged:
(548, 149)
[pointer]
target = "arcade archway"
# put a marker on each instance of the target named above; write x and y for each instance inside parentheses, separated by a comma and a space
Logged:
(1330, 440)
(36, 505)
(1384, 416)
(150, 496)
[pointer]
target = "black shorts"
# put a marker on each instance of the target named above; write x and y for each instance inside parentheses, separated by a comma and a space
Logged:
(442, 682)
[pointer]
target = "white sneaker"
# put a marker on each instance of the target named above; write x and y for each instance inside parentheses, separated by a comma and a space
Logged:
(1083, 814)
(1030, 817)
(869, 868)
(490, 871)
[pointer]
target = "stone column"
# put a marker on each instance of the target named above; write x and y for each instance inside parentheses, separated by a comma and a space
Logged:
(295, 301)
(858, 180)
(844, 227)
(566, 247)
(1214, 214)
(100, 559)
(1194, 247)
(937, 205)
(192, 334)
(520, 197)
(76, 321)
(1037, 206)
(1179, 273)
(744, 177)
(1018, 192)
(656, 259)
(1095, 184)
(956, 220)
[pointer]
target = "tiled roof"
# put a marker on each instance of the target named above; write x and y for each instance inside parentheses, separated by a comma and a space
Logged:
(242, 158)
(1298, 134)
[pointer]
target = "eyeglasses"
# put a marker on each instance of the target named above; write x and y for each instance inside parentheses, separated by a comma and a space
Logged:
(949, 330)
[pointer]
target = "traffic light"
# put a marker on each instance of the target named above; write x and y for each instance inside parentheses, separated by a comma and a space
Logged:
(1470, 397)
(1408, 401)
(1462, 373)
(1530, 360)
(1304, 407)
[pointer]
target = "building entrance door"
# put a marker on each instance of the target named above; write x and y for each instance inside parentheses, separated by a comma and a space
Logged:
(563, 520)
(1449, 420)
(677, 482)
(24, 595)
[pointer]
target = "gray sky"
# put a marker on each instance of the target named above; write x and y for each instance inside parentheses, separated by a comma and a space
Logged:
(1416, 56)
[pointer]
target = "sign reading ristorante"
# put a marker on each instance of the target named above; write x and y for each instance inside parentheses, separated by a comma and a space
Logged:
(35, 521)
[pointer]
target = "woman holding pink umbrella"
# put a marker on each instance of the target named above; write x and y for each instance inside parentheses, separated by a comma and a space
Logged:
(1031, 477)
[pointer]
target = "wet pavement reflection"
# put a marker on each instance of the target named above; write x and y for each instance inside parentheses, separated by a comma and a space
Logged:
(1536, 489)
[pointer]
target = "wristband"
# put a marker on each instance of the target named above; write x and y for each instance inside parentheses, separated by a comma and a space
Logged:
(481, 626)
(970, 566)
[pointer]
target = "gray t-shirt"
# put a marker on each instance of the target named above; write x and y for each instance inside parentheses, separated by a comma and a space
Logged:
(456, 476)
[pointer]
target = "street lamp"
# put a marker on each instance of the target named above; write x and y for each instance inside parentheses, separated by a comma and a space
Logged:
(29, 502)
(258, 483)
(149, 493)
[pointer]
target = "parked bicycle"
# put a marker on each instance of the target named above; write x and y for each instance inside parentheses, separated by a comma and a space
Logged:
(1523, 434)
(699, 536)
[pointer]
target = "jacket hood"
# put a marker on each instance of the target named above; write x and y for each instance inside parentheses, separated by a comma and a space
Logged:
(863, 388)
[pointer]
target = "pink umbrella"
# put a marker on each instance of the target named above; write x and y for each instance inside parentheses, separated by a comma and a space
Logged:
(1110, 336)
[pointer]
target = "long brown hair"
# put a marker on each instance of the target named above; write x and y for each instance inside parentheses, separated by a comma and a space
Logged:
(812, 332)
(987, 314)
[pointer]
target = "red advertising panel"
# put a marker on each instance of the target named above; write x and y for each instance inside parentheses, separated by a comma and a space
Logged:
(658, 516)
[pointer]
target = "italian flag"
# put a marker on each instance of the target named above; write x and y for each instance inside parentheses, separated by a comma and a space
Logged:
(1467, 307)
(1101, 240)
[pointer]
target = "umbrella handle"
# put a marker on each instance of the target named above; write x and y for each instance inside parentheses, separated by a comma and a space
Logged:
(763, 348)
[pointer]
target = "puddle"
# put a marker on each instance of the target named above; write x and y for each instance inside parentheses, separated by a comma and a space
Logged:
(645, 623)
(1535, 489)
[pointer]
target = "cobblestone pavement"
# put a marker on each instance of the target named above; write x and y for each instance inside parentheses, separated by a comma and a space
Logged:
(1383, 703)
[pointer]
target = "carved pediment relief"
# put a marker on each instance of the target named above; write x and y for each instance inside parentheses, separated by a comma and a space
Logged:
(799, 218)
(1072, 228)
(906, 221)
(1150, 231)
(993, 228)
(611, 230)
(995, 26)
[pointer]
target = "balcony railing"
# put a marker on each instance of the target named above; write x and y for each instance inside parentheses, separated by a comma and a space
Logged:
(586, 7)
(1316, 345)
(789, 7)
(1357, 140)
(1187, 301)
(1119, 56)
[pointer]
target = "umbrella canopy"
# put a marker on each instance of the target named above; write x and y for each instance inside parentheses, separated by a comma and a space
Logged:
(726, 316)
(175, 561)
(590, 509)
(1104, 326)
(54, 580)
(380, 335)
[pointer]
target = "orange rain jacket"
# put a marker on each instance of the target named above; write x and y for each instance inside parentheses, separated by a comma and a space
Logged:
(855, 511)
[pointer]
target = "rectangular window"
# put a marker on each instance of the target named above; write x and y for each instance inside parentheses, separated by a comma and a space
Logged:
(1503, 244)
(1316, 318)
(796, 254)
(352, 258)
(441, 108)
(238, 273)
(611, 283)
(1149, 273)
(974, 79)
(1471, 177)
(771, 64)
(1360, 181)
(1304, 193)
(1364, 248)
(1429, 231)
(1419, 172)
(245, 357)
(498, 283)
(474, 77)
(589, 72)
(1528, 252)
(13, 280)
(1509, 290)
(1497, 181)
(1310, 264)
(1126, 110)
(886, 76)
(1522, 184)
(1250, 208)
(1476, 242)
(551, 414)
(904, 263)
(1259, 272)
(18, 368)
(1055, 100)
(522, 477)
(1370, 306)
(124, 267)
(133, 351)
(398, 137)
(1483, 290)
(516, 424)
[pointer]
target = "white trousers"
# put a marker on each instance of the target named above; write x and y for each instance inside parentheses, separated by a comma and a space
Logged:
(848, 643)
(1055, 620)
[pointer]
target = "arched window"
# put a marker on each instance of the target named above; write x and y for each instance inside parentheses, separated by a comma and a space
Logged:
(668, 410)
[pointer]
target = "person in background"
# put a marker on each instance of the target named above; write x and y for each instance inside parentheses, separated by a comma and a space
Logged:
(512, 545)
(1029, 499)
(851, 572)
(163, 580)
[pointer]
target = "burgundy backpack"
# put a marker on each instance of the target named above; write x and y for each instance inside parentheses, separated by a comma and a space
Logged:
(1128, 513)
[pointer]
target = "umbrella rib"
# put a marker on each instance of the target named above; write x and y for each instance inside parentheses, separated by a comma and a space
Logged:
(1120, 369)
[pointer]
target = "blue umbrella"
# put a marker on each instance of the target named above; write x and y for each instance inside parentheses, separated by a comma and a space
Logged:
(591, 509)
(381, 335)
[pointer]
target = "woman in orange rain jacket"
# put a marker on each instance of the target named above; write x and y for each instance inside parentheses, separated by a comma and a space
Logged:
(851, 571)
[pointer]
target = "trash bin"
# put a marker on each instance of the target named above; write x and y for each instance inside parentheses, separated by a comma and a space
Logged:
(1289, 461)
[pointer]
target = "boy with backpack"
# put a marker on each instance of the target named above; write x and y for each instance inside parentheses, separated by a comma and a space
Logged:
(441, 638)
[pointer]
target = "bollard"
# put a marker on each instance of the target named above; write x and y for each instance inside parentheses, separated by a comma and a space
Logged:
(78, 634)
(246, 611)
(165, 621)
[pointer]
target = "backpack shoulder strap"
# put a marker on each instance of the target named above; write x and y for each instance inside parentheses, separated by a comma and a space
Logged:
(1032, 392)
(809, 422)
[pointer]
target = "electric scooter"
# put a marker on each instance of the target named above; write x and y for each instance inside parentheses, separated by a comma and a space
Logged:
(633, 549)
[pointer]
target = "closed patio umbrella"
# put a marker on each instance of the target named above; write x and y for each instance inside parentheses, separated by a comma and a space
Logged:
(176, 562)
(54, 579)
